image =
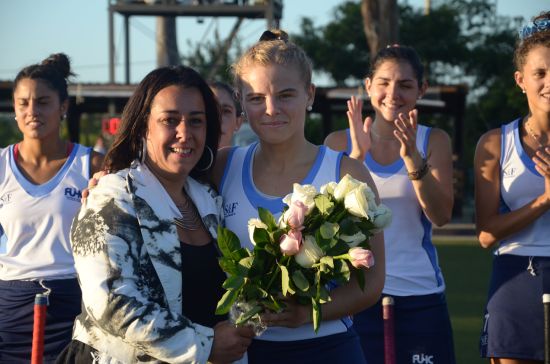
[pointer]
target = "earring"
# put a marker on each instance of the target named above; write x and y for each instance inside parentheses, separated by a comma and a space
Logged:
(522, 90)
(15, 117)
(211, 159)
(143, 150)
(309, 108)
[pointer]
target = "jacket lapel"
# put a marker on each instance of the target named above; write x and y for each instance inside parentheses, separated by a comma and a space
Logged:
(160, 237)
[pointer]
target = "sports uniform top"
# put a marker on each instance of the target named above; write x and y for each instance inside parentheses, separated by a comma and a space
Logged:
(35, 219)
(241, 201)
(412, 266)
(520, 183)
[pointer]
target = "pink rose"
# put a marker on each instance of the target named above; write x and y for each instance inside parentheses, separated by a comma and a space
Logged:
(296, 214)
(361, 258)
(290, 243)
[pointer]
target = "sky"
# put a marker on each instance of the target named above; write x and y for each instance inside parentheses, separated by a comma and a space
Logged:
(30, 30)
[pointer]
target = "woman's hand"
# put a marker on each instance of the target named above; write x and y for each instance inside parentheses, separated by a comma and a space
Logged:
(359, 130)
(542, 165)
(405, 132)
(91, 184)
(294, 315)
(230, 343)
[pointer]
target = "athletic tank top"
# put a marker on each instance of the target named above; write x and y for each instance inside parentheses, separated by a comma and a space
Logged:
(412, 266)
(520, 183)
(241, 201)
(35, 220)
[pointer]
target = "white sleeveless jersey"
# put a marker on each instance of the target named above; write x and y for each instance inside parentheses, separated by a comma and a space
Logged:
(241, 201)
(520, 183)
(412, 266)
(35, 220)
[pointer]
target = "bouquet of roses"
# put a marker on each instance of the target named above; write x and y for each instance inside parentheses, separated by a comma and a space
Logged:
(320, 238)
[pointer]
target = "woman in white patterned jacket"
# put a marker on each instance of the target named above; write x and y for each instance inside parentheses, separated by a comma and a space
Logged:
(144, 242)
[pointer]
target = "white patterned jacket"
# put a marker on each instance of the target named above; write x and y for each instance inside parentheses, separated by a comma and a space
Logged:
(127, 256)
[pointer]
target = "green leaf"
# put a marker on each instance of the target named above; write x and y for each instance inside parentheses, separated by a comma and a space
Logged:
(328, 230)
(285, 281)
(261, 236)
(316, 314)
(324, 204)
(267, 218)
(360, 278)
(228, 242)
(328, 260)
(233, 282)
(227, 300)
(228, 265)
(300, 280)
(324, 295)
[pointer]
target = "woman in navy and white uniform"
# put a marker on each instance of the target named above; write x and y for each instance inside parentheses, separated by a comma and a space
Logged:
(512, 180)
(41, 179)
(273, 81)
(412, 169)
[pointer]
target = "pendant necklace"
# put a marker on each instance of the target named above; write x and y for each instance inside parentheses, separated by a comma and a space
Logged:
(190, 219)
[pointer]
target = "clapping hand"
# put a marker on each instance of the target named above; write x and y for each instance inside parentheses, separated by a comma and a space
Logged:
(359, 129)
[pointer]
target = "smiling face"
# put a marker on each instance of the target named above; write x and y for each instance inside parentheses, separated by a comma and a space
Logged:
(38, 109)
(534, 78)
(176, 132)
(393, 89)
(230, 121)
(275, 99)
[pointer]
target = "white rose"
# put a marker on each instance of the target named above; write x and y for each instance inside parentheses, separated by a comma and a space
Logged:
(305, 194)
(382, 217)
(253, 224)
(309, 252)
(328, 189)
(345, 185)
(354, 240)
(356, 201)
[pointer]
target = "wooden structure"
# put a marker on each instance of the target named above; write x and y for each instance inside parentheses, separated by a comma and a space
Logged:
(271, 10)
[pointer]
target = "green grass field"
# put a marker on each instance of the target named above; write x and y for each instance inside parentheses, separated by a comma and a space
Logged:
(466, 267)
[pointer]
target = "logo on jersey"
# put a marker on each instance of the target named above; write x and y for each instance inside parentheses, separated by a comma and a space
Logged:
(422, 359)
(73, 194)
(509, 172)
(230, 209)
(5, 199)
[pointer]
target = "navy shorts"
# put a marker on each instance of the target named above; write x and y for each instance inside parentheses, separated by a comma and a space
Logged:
(17, 317)
(423, 332)
(513, 325)
(337, 348)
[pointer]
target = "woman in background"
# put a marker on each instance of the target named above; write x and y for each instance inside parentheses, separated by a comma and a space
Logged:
(41, 179)
(512, 194)
(412, 168)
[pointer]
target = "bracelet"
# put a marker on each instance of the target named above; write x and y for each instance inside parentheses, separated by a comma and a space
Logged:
(421, 172)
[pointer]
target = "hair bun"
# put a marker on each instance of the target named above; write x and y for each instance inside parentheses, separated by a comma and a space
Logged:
(274, 34)
(60, 62)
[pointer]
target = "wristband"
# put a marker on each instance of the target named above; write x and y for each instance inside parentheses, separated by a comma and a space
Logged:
(421, 172)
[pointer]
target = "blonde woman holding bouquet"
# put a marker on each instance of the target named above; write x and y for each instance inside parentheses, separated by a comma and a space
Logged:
(512, 180)
(273, 81)
(412, 168)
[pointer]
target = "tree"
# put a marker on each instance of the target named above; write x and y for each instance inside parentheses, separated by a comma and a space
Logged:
(379, 23)
(167, 45)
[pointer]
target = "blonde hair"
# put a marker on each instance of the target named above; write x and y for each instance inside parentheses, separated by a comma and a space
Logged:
(273, 48)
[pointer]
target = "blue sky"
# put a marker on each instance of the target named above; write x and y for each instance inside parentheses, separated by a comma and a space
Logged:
(32, 29)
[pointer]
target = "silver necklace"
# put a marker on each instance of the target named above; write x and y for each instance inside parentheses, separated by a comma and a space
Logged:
(190, 219)
(532, 134)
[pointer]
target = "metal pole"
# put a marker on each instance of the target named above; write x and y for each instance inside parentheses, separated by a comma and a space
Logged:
(111, 45)
(127, 47)
(40, 304)
(546, 304)
(389, 330)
